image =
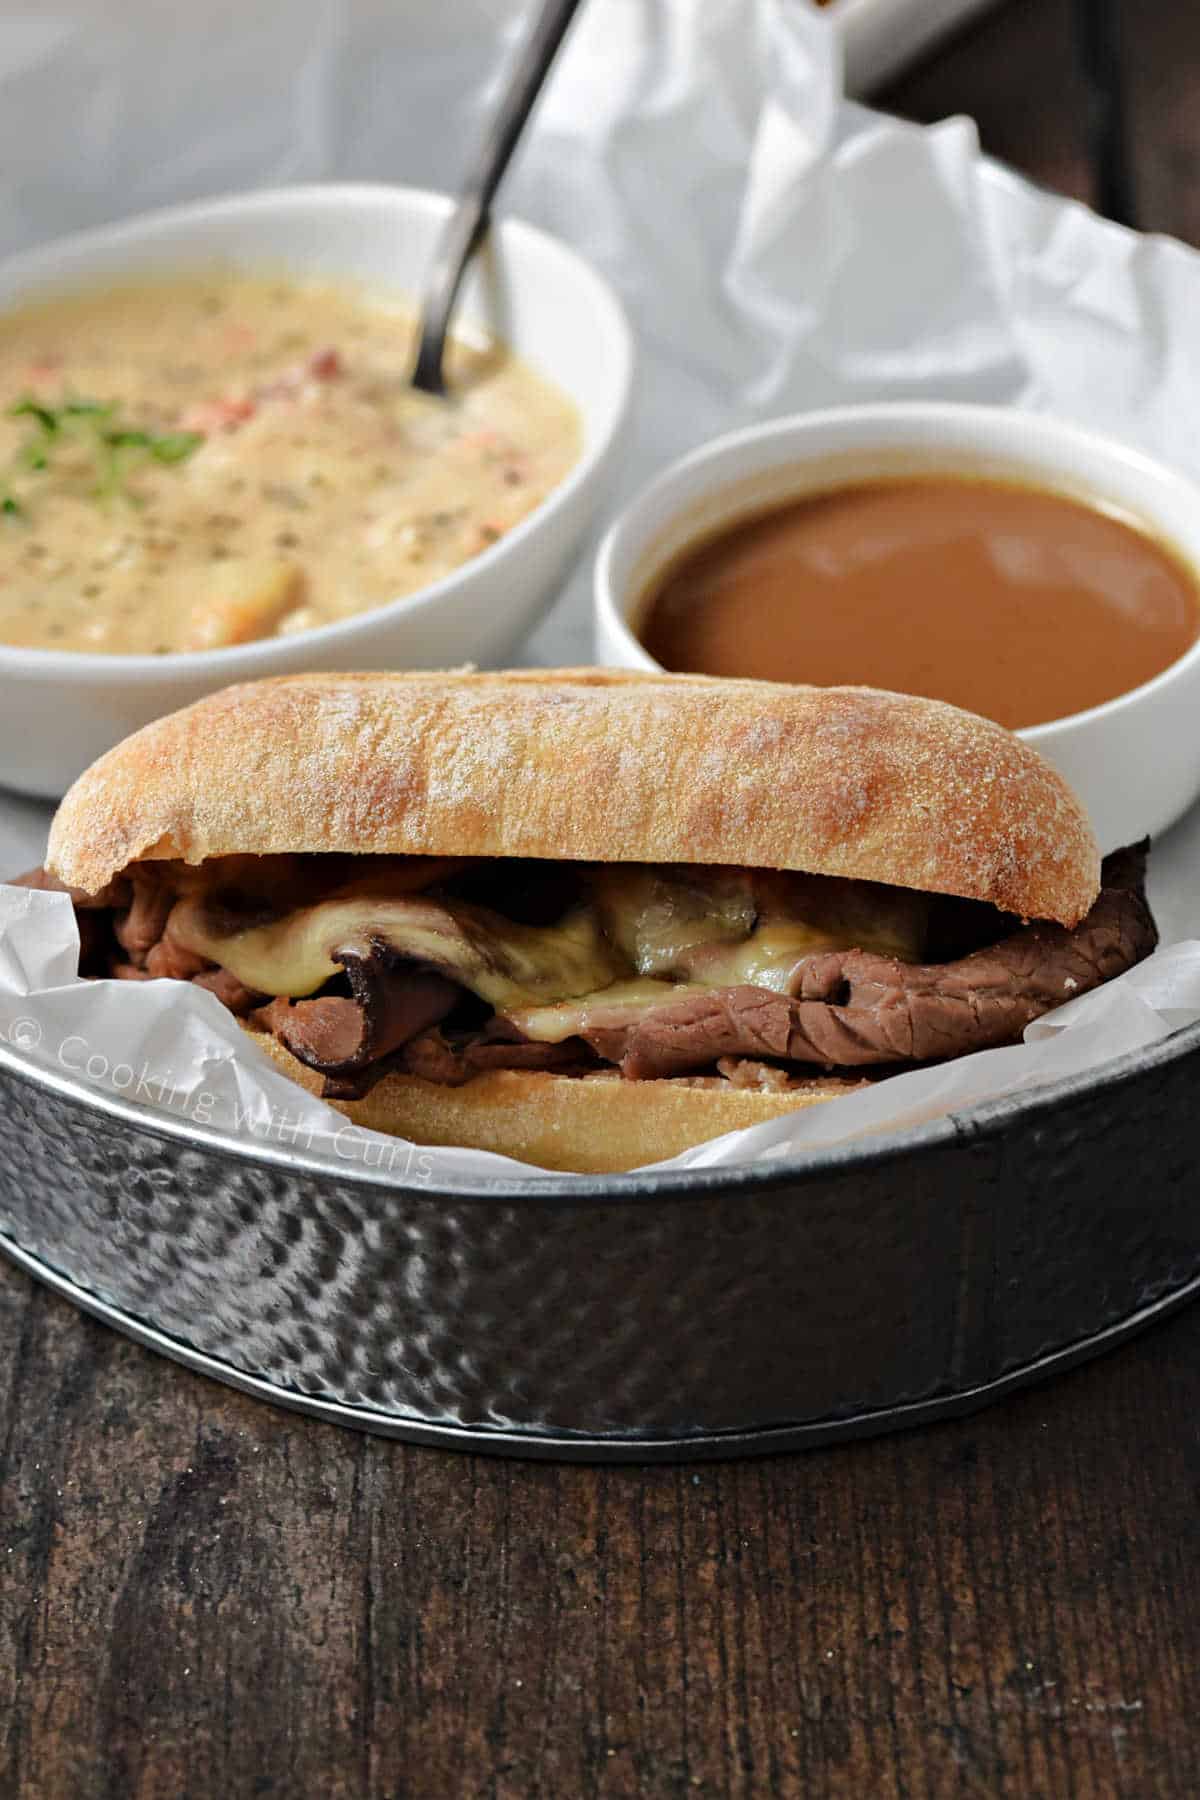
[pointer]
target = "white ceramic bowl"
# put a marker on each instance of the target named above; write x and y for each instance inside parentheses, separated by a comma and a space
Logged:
(1135, 761)
(60, 709)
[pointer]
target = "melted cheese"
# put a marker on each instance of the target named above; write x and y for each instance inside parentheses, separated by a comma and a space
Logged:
(655, 920)
(593, 1012)
(768, 958)
(650, 935)
(656, 916)
(505, 963)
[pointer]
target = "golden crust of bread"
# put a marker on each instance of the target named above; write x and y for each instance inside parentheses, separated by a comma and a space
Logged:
(595, 765)
(599, 1125)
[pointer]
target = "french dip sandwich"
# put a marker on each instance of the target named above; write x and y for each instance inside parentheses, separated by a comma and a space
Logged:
(589, 918)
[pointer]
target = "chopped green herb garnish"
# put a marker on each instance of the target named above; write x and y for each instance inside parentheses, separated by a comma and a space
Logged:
(31, 409)
(175, 446)
(116, 448)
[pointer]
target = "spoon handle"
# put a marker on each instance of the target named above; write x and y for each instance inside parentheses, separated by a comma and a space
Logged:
(468, 222)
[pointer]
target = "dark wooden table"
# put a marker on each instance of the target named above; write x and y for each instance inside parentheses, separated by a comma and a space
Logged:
(202, 1597)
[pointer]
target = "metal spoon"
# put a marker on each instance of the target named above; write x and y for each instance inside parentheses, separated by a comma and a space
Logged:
(468, 222)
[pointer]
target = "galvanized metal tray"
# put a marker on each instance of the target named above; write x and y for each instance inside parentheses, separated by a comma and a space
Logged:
(637, 1317)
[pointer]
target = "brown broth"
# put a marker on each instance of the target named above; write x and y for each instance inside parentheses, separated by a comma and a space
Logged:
(1018, 603)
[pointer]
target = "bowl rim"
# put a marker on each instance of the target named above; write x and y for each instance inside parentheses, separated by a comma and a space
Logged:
(900, 1144)
(608, 609)
(245, 661)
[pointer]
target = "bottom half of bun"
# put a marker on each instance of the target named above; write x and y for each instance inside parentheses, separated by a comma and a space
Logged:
(588, 1125)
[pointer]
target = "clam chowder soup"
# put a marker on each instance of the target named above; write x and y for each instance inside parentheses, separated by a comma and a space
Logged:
(203, 460)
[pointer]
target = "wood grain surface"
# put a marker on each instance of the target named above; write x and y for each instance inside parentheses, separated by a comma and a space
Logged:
(200, 1596)
(203, 1596)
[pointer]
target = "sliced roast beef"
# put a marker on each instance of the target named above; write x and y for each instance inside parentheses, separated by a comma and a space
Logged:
(169, 961)
(122, 971)
(229, 990)
(345, 1037)
(849, 1009)
(452, 1060)
(855, 1009)
(139, 927)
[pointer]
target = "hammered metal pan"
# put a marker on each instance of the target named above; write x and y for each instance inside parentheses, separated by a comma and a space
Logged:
(635, 1317)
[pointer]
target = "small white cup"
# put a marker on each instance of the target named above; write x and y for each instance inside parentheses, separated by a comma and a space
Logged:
(1134, 761)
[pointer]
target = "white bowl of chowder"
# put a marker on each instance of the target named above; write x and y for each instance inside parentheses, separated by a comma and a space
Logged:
(212, 467)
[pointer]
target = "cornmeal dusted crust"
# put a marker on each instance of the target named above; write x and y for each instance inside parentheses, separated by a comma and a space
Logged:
(591, 764)
(597, 1125)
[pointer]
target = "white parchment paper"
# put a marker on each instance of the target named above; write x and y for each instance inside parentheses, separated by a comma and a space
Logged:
(777, 249)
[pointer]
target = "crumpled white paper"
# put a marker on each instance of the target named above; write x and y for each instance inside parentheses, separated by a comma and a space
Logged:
(777, 250)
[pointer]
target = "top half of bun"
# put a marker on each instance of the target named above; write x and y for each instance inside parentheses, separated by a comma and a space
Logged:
(596, 765)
